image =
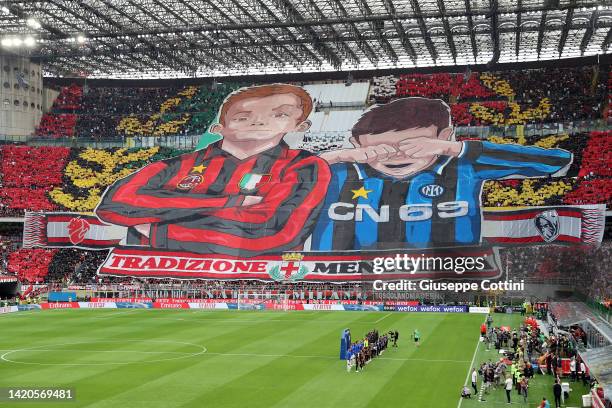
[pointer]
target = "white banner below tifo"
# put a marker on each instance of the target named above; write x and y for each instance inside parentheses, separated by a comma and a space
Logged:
(582, 224)
(290, 267)
(500, 225)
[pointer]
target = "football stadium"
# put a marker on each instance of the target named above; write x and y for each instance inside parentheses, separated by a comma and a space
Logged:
(305, 203)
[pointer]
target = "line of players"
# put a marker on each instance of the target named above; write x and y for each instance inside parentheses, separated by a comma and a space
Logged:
(363, 351)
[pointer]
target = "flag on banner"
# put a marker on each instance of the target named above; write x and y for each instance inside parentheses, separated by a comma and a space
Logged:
(559, 224)
(582, 224)
(578, 224)
(252, 181)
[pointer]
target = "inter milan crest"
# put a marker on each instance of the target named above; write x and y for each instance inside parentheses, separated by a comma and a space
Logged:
(432, 190)
(547, 224)
(189, 181)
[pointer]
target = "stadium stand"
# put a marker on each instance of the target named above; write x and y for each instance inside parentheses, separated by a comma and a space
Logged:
(338, 94)
(101, 113)
(60, 178)
(114, 201)
(31, 265)
(506, 97)
(577, 265)
(28, 175)
(48, 178)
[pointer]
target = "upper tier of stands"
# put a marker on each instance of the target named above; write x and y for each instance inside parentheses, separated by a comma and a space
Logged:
(502, 98)
(60, 178)
(337, 94)
(116, 113)
(506, 97)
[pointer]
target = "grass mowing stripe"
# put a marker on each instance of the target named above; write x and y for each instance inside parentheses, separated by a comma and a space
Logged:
(270, 360)
(244, 337)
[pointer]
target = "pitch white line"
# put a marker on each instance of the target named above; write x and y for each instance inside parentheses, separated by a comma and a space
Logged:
(24, 313)
(467, 377)
(383, 318)
(99, 351)
(115, 314)
(424, 360)
(182, 355)
(329, 357)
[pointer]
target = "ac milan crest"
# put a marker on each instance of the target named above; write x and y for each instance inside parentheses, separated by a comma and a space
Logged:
(189, 181)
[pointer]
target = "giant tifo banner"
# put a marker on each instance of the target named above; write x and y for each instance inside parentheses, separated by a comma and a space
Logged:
(249, 206)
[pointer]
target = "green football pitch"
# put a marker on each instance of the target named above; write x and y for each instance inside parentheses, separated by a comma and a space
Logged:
(166, 358)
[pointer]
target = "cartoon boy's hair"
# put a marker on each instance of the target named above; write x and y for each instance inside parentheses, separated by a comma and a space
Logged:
(267, 90)
(402, 114)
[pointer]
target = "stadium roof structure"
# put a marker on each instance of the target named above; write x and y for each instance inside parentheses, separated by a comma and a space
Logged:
(599, 362)
(211, 38)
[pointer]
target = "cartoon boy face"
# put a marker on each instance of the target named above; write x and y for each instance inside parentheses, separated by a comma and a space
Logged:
(401, 138)
(411, 149)
(258, 115)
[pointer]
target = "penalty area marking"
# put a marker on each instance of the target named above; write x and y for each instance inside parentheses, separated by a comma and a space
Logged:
(45, 348)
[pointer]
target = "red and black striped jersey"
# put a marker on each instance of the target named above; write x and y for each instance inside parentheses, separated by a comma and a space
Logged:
(196, 202)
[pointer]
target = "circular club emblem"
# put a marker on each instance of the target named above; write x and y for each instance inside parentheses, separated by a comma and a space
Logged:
(189, 181)
(432, 190)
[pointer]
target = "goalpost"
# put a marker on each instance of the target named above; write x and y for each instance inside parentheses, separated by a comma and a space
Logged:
(263, 301)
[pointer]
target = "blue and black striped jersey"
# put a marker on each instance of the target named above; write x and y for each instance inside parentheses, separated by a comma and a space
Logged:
(436, 207)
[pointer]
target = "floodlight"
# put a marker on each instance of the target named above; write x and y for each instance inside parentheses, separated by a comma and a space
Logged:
(29, 41)
(31, 22)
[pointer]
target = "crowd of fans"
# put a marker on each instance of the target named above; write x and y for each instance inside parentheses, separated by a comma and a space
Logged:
(322, 142)
(28, 174)
(60, 122)
(507, 97)
(57, 126)
(588, 268)
(30, 265)
(526, 351)
(8, 244)
(101, 113)
(49, 178)
(75, 266)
